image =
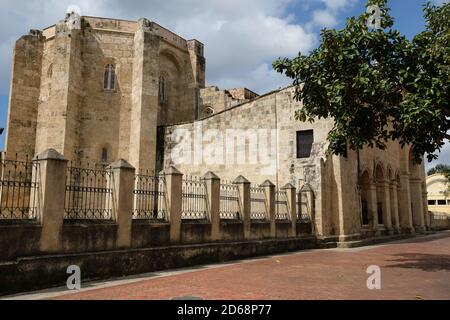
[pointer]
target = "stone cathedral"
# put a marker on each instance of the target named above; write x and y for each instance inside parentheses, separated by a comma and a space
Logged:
(97, 90)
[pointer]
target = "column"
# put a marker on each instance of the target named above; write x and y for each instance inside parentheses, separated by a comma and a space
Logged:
(269, 189)
(394, 206)
(213, 206)
(122, 200)
(244, 195)
(404, 207)
(174, 186)
(292, 204)
(387, 207)
(51, 177)
(373, 206)
(417, 204)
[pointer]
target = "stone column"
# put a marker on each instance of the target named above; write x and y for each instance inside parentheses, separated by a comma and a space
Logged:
(244, 196)
(394, 206)
(292, 204)
(417, 204)
(51, 176)
(373, 206)
(425, 206)
(122, 176)
(387, 207)
(174, 187)
(404, 208)
(213, 206)
(269, 189)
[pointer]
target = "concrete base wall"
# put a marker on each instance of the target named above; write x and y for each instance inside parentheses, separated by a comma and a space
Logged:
(34, 273)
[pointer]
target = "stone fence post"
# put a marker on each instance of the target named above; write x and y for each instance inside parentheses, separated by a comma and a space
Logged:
(122, 175)
(245, 203)
(291, 193)
(212, 183)
(174, 188)
(269, 190)
(51, 176)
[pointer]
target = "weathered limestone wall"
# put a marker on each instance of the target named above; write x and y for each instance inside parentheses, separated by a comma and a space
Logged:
(213, 100)
(269, 120)
(24, 95)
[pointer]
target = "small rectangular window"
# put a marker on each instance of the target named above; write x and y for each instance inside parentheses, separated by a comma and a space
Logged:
(305, 139)
(431, 202)
(442, 202)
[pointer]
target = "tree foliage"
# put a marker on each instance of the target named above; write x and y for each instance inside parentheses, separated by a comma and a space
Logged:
(440, 168)
(376, 84)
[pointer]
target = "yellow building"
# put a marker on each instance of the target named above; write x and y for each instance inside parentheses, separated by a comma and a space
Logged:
(438, 194)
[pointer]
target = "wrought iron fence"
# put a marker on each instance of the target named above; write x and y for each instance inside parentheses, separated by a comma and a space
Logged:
(258, 203)
(19, 189)
(88, 193)
(281, 206)
(149, 197)
(193, 199)
(303, 209)
(229, 201)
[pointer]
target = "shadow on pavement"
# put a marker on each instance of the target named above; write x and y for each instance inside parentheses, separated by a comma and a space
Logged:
(422, 261)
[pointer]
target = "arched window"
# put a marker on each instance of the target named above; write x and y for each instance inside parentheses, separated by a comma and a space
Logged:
(104, 155)
(162, 90)
(109, 77)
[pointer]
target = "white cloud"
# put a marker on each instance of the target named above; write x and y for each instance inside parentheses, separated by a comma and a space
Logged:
(324, 18)
(328, 17)
(239, 36)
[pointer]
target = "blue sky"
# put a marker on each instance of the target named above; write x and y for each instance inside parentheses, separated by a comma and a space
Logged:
(258, 30)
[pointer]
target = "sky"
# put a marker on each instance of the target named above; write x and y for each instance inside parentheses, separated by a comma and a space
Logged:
(242, 38)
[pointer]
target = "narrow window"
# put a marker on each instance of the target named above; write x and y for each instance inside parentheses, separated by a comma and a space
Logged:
(162, 90)
(442, 202)
(431, 202)
(109, 77)
(104, 156)
(305, 140)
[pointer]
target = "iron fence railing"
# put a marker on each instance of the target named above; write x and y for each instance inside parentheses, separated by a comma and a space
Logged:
(258, 204)
(19, 189)
(149, 197)
(88, 194)
(194, 199)
(281, 206)
(229, 201)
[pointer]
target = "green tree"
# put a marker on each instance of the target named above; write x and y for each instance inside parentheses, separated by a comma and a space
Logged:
(376, 84)
(440, 168)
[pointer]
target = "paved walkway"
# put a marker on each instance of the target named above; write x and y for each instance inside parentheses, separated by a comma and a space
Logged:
(417, 268)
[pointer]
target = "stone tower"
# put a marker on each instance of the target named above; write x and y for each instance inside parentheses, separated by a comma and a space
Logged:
(97, 89)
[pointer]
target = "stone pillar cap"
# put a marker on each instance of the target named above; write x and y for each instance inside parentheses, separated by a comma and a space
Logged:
(241, 180)
(172, 171)
(267, 183)
(288, 186)
(121, 164)
(49, 154)
(210, 176)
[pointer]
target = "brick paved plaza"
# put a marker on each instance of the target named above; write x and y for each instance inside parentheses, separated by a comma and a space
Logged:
(418, 268)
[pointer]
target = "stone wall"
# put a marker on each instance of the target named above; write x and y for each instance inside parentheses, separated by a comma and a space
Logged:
(257, 139)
